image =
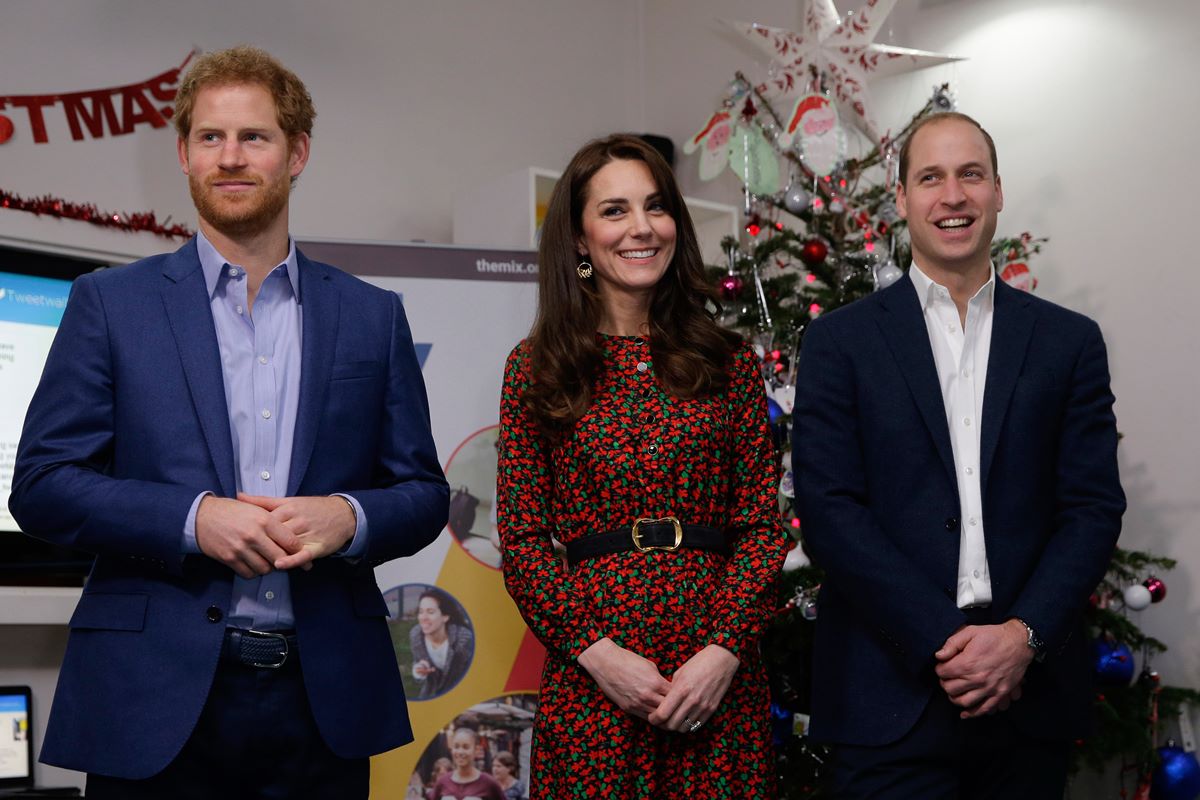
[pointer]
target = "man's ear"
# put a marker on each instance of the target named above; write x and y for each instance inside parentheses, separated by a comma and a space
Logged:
(901, 201)
(999, 195)
(298, 150)
(181, 147)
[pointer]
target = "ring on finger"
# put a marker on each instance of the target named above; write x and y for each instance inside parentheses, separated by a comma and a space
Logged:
(694, 726)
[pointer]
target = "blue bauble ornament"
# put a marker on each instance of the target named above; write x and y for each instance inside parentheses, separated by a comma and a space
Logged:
(781, 725)
(1177, 776)
(774, 410)
(1113, 662)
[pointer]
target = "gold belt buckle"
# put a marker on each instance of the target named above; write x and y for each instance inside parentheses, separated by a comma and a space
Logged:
(637, 535)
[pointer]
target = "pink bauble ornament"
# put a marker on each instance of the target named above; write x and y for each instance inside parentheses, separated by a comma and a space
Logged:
(1137, 597)
(1157, 589)
(731, 287)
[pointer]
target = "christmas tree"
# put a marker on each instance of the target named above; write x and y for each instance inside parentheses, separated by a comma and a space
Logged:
(826, 237)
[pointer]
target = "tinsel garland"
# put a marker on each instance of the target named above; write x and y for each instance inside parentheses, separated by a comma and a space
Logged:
(50, 206)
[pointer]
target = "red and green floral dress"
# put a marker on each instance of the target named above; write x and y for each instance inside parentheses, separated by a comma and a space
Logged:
(640, 452)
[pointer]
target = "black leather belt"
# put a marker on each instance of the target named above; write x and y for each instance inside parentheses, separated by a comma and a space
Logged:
(260, 649)
(645, 535)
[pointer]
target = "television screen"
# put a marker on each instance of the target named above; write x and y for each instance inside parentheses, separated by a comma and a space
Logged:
(33, 294)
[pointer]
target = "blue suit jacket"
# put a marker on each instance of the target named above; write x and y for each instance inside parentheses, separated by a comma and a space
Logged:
(879, 505)
(129, 424)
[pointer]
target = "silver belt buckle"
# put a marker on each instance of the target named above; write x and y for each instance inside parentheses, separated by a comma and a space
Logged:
(283, 653)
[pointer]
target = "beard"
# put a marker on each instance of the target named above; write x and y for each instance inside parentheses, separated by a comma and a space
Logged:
(247, 214)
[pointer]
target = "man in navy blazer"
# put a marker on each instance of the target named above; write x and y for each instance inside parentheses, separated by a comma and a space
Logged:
(240, 435)
(955, 461)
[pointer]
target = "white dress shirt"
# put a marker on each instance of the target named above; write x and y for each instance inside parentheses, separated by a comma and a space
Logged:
(960, 353)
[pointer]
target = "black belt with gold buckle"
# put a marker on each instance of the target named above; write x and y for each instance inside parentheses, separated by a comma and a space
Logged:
(646, 534)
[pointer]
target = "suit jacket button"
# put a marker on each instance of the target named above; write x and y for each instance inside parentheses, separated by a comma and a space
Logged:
(951, 523)
(214, 614)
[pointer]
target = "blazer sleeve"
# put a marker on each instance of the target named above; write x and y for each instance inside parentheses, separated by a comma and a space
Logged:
(1089, 502)
(534, 575)
(750, 590)
(60, 489)
(409, 503)
(880, 582)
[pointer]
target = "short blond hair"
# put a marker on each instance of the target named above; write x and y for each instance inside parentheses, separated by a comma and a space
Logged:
(247, 65)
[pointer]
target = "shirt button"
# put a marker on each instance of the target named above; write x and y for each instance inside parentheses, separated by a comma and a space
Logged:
(639, 340)
(642, 366)
(266, 414)
(213, 614)
(970, 470)
(966, 373)
(950, 328)
(238, 309)
(266, 476)
(967, 421)
(234, 272)
(975, 573)
(652, 449)
(972, 522)
(269, 595)
(262, 359)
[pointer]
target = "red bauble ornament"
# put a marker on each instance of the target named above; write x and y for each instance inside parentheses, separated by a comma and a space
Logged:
(1158, 589)
(6, 129)
(813, 252)
(731, 287)
(753, 229)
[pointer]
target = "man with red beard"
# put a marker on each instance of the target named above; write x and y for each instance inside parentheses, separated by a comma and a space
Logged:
(239, 434)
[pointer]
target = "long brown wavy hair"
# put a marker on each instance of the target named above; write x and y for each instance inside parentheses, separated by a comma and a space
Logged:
(691, 351)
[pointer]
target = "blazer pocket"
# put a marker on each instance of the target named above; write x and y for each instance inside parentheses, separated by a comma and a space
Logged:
(112, 612)
(349, 370)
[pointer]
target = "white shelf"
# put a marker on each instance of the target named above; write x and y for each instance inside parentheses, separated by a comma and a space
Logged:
(507, 213)
(37, 605)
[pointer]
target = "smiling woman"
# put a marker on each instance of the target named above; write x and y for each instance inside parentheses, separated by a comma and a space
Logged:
(633, 429)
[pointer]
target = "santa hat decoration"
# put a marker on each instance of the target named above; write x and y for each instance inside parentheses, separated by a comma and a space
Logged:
(1017, 275)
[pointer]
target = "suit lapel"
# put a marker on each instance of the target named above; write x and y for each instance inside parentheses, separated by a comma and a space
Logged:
(903, 328)
(1012, 327)
(320, 302)
(186, 300)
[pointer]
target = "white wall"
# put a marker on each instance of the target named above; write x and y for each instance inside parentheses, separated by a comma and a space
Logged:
(1092, 103)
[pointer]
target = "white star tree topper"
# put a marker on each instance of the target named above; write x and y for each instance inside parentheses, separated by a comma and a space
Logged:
(842, 50)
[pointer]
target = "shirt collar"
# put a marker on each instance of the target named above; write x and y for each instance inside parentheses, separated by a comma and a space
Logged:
(213, 263)
(927, 290)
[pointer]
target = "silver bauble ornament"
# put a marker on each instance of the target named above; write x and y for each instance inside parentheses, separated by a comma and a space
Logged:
(796, 199)
(1137, 597)
(887, 273)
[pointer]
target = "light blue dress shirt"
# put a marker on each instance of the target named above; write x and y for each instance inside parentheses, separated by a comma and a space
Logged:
(260, 364)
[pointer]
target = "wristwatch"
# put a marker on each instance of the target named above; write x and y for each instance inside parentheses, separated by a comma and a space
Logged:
(1033, 640)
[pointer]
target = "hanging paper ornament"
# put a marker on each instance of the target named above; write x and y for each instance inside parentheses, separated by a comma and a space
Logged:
(713, 143)
(1157, 589)
(841, 48)
(813, 123)
(943, 99)
(1177, 776)
(753, 160)
(796, 199)
(1112, 662)
(1137, 597)
(1017, 275)
(887, 273)
(806, 601)
(813, 252)
(781, 725)
(731, 286)
(787, 488)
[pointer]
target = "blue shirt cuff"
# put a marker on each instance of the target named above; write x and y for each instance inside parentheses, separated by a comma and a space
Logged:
(189, 527)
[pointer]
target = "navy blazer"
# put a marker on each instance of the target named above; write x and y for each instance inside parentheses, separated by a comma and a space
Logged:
(879, 508)
(129, 424)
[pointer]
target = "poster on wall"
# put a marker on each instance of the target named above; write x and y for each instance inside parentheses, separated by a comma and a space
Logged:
(470, 666)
